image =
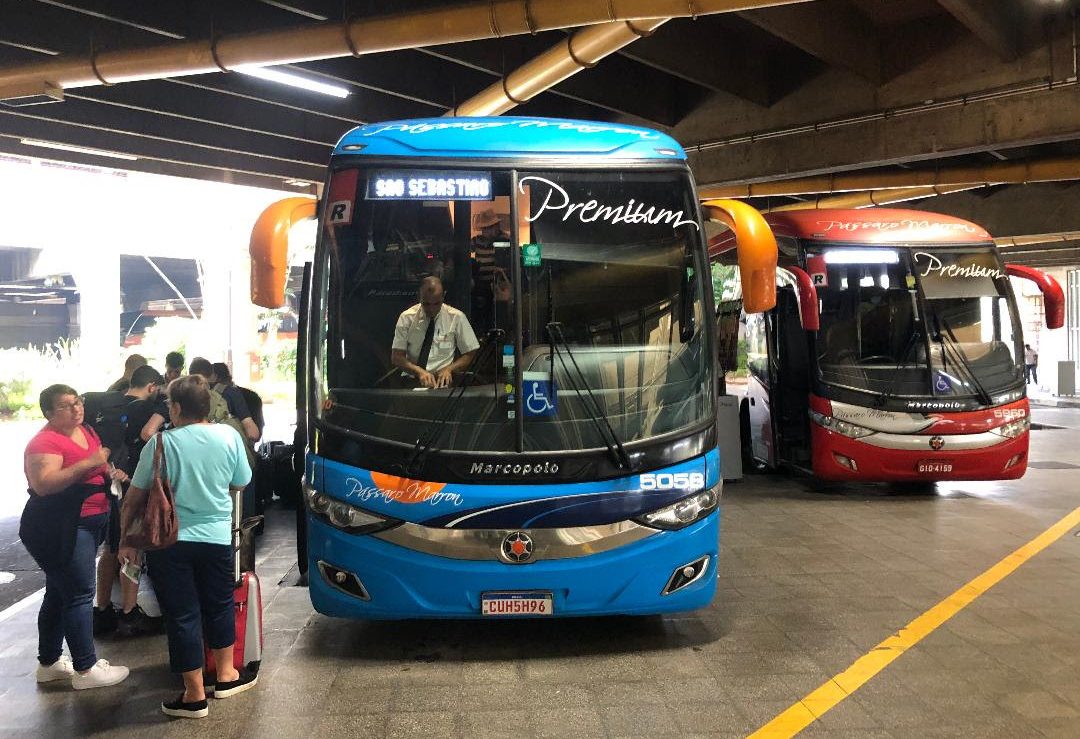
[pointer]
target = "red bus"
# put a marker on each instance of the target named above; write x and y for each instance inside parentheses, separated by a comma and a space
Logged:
(894, 352)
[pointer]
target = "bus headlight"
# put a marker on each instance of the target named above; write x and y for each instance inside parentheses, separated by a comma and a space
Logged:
(341, 515)
(684, 512)
(1013, 429)
(846, 428)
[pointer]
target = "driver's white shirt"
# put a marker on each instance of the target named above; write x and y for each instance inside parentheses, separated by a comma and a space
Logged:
(452, 331)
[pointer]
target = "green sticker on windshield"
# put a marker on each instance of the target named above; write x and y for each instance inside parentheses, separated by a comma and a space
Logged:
(531, 254)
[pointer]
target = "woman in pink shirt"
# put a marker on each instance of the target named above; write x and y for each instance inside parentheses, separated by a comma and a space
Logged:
(64, 522)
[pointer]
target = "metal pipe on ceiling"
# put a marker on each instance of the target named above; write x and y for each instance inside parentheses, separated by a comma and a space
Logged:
(466, 22)
(1031, 239)
(1038, 170)
(868, 199)
(581, 50)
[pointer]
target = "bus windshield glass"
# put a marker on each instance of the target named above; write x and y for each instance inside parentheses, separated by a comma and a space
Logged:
(608, 273)
(619, 271)
(915, 323)
(971, 316)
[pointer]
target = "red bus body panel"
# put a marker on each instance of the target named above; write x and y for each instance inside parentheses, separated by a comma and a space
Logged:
(879, 464)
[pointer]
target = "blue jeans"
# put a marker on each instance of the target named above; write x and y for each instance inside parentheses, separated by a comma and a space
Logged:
(194, 585)
(67, 609)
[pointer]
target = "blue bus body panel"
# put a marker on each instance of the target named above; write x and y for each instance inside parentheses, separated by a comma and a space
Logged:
(407, 584)
(508, 137)
(404, 583)
(495, 506)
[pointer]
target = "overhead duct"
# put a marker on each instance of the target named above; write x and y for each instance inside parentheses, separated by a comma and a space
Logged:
(580, 51)
(1042, 170)
(1031, 239)
(868, 199)
(468, 22)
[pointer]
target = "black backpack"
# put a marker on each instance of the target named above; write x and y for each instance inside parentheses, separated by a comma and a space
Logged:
(106, 413)
(254, 404)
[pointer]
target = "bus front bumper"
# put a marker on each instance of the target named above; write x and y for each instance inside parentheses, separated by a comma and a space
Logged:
(402, 583)
(839, 458)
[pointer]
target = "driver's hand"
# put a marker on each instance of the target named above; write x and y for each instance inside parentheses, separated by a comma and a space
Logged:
(426, 379)
(444, 377)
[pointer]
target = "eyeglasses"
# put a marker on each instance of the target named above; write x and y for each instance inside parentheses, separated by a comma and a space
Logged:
(77, 403)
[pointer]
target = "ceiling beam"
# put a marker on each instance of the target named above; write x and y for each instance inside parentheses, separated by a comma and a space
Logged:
(1030, 118)
(10, 146)
(993, 22)
(705, 52)
(831, 31)
(19, 125)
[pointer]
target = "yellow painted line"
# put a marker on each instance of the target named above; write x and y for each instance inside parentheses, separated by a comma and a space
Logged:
(814, 705)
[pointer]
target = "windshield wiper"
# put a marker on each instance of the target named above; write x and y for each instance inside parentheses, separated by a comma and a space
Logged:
(430, 434)
(948, 341)
(890, 389)
(611, 439)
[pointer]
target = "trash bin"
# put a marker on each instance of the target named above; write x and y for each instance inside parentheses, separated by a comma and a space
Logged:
(1066, 378)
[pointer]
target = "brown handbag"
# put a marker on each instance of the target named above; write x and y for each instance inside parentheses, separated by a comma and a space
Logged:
(158, 526)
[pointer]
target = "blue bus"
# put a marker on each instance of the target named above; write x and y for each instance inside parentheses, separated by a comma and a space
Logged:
(560, 458)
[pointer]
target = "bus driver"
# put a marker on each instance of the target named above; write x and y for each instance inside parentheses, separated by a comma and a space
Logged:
(427, 335)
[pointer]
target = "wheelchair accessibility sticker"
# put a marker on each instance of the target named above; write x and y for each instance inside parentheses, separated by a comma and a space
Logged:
(538, 394)
(941, 383)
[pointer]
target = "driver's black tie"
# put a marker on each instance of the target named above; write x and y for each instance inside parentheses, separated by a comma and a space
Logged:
(425, 348)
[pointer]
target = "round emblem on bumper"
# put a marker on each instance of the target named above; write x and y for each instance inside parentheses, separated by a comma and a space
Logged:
(517, 548)
(936, 442)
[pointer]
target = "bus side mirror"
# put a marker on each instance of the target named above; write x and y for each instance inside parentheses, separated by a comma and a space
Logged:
(1053, 296)
(269, 248)
(727, 334)
(805, 294)
(756, 251)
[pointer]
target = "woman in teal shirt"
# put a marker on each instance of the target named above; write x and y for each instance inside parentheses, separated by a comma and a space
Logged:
(194, 577)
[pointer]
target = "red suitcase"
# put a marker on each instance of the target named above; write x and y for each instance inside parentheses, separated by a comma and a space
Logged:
(247, 597)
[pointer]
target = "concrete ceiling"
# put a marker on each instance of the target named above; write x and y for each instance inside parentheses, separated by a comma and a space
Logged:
(816, 87)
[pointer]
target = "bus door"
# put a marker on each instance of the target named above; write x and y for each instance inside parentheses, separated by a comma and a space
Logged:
(790, 381)
(757, 409)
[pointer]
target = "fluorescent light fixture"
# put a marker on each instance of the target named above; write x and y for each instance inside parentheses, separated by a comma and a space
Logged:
(861, 256)
(293, 80)
(78, 149)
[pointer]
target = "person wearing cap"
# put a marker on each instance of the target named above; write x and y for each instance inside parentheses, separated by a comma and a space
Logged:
(485, 270)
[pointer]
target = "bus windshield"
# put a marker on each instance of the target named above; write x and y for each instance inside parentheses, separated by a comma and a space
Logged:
(609, 277)
(916, 323)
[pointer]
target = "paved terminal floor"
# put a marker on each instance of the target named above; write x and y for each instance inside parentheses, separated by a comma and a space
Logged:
(810, 582)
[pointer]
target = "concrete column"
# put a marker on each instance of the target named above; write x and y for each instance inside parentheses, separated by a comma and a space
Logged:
(97, 276)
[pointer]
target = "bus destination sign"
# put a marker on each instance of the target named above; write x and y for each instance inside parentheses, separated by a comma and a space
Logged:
(429, 185)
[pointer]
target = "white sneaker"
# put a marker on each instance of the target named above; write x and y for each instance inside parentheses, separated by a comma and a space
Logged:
(101, 675)
(61, 669)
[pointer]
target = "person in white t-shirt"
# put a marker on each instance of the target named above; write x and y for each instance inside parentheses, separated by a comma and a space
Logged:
(429, 335)
(1031, 364)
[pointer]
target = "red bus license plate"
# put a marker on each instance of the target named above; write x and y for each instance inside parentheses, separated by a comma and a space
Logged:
(931, 466)
(515, 604)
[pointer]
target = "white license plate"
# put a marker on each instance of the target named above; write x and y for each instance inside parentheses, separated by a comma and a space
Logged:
(515, 604)
(933, 467)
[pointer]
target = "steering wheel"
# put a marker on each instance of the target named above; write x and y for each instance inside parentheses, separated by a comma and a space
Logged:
(877, 358)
